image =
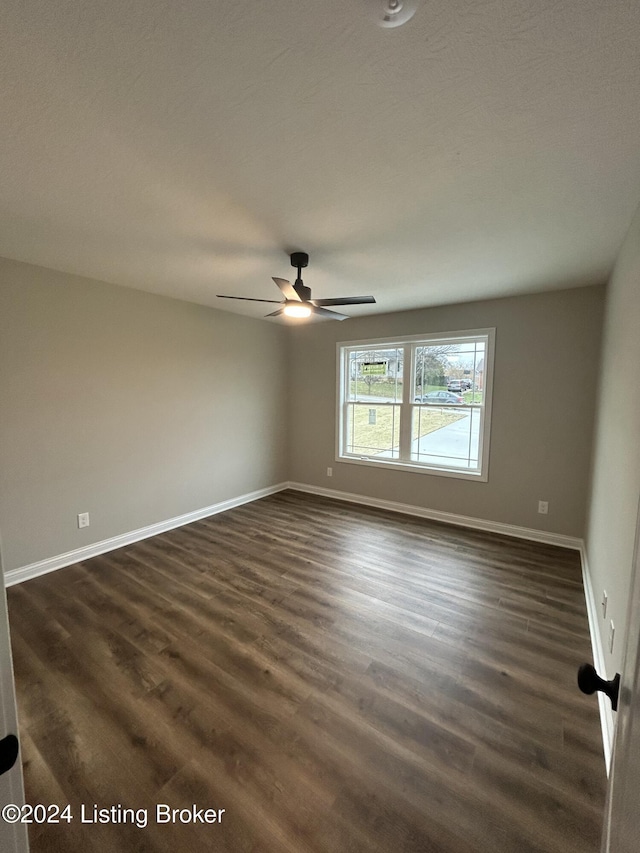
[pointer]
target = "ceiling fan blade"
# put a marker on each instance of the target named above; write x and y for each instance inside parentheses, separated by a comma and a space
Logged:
(249, 299)
(327, 315)
(287, 288)
(346, 300)
(275, 313)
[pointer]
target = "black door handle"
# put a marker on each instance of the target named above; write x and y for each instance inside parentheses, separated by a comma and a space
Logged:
(9, 748)
(589, 681)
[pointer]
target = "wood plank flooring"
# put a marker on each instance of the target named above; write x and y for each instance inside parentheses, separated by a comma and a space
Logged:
(336, 678)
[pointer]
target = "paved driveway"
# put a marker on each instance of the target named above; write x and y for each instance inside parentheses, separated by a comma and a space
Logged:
(452, 444)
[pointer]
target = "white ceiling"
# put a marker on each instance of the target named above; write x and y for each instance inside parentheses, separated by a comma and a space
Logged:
(487, 147)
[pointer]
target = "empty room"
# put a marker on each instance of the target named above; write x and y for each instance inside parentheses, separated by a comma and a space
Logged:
(319, 418)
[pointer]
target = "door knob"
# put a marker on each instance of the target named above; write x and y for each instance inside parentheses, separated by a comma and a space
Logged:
(589, 681)
(8, 753)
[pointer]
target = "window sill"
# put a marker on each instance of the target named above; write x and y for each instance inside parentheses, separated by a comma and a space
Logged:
(390, 465)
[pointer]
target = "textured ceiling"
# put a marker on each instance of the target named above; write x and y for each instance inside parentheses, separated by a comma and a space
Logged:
(487, 147)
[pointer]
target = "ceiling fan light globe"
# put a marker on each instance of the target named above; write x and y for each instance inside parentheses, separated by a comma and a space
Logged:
(297, 309)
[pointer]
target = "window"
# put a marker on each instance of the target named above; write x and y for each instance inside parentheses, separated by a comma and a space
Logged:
(419, 404)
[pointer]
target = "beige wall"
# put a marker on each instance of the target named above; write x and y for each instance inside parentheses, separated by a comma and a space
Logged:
(616, 460)
(546, 367)
(132, 407)
(137, 408)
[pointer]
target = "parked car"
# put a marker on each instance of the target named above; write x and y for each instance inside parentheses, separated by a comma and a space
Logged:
(454, 385)
(440, 398)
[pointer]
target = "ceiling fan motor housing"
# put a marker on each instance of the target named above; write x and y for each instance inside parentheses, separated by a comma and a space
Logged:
(302, 290)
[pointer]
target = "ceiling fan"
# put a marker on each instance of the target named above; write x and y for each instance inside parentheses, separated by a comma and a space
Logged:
(297, 297)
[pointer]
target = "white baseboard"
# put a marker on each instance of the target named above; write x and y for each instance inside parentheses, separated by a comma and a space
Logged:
(447, 517)
(607, 720)
(42, 567)
(51, 564)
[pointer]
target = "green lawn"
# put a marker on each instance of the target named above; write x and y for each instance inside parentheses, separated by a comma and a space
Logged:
(384, 389)
(374, 389)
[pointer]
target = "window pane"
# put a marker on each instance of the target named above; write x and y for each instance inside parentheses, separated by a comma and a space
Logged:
(430, 369)
(376, 375)
(454, 367)
(446, 436)
(373, 430)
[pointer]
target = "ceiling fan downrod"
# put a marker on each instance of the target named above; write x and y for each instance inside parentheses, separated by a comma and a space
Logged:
(300, 260)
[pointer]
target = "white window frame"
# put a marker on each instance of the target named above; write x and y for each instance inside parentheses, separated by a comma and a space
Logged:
(481, 474)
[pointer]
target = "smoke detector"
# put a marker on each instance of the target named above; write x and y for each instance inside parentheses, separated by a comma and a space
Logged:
(392, 13)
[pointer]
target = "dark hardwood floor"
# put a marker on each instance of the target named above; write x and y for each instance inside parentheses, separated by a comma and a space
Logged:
(336, 678)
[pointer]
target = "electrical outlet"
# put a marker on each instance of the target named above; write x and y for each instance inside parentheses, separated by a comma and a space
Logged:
(329, 472)
(83, 519)
(612, 633)
(543, 507)
(605, 600)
